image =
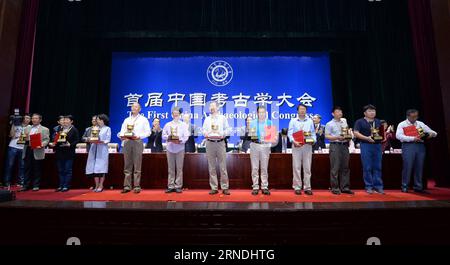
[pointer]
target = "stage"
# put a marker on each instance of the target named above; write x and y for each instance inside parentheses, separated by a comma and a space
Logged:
(197, 218)
(196, 176)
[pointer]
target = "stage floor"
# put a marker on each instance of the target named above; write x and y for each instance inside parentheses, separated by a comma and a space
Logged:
(236, 196)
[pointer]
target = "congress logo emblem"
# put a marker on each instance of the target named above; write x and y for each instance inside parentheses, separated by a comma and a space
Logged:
(220, 73)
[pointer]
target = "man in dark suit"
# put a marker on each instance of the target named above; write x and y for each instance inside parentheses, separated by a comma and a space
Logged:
(283, 142)
(189, 146)
(320, 133)
(155, 139)
(65, 152)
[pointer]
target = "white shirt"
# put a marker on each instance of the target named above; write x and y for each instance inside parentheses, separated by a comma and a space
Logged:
(182, 132)
(141, 126)
(17, 132)
(218, 119)
(400, 134)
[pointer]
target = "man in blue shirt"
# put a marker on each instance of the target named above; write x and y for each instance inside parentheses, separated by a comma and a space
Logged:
(371, 152)
(301, 152)
(260, 150)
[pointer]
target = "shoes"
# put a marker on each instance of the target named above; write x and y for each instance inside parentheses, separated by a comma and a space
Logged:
(125, 190)
(212, 192)
(226, 192)
(255, 192)
(170, 190)
(266, 192)
(179, 190)
(369, 191)
(380, 191)
(65, 190)
(137, 190)
(298, 192)
(404, 190)
(336, 192)
(36, 189)
(58, 189)
(308, 192)
(348, 192)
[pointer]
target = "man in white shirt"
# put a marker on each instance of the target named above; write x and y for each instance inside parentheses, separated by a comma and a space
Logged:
(176, 133)
(215, 129)
(133, 147)
(413, 150)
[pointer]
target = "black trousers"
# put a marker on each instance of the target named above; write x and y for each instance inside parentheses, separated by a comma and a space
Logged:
(33, 169)
(339, 171)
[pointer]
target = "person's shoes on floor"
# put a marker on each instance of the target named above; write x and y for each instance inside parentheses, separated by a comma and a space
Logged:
(369, 191)
(179, 190)
(36, 189)
(421, 191)
(255, 192)
(336, 192)
(298, 192)
(226, 192)
(350, 192)
(379, 191)
(125, 190)
(65, 190)
(405, 190)
(309, 192)
(137, 190)
(58, 189)
(212, 192)
(170, 190)
(266, 192)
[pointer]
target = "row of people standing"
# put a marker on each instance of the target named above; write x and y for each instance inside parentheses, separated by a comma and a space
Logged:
(215, 129)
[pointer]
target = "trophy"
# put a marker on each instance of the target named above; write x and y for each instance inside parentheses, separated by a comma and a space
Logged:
(174, 134)
(376, 134)
(346, 133)
(62, 137)
(22, 138)
(129, 132)
(253, 134)
(308, 138)
(94, 134)
(214, 131)
(422, 134)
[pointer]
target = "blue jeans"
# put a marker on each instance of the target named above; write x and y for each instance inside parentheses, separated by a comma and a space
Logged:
(413, 159)
(65, 172)
(371, 156)
(13, 155)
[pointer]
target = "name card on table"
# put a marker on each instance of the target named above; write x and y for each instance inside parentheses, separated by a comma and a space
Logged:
(80, 151)
(147, 151)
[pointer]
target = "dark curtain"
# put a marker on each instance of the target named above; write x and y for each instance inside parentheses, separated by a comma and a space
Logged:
(24, 57)
(428, 76)
(372, 60)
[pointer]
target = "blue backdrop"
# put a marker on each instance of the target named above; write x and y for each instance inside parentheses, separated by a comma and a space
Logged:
(237, 80)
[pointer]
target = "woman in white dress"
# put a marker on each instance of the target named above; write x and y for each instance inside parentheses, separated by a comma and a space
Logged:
(98, 158)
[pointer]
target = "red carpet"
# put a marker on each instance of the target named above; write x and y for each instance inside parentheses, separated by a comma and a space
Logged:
(236, 196)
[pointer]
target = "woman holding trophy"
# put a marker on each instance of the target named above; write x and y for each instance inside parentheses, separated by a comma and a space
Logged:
(98, 158)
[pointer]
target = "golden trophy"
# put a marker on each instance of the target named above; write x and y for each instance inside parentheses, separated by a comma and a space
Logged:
(22, 138)
(214, 131)
(421, 132)
(174, 134)
(345, 132)
(94, 134)
(253, 134)
(308, 137)
(129, 132)
(62, 137)
(376, 134)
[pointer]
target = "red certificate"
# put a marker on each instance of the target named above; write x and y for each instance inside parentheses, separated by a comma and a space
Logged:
(299, 137)
(55, 141)
(271, 133)
(35, 141)
(411, 131)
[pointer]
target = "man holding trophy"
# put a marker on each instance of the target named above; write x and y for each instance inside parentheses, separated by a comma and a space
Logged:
(134, 129)
(176, 133)
(302, 134)
(215, 129)
(368, 131)
(263, 136)
(339, 135)
(413, 134)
